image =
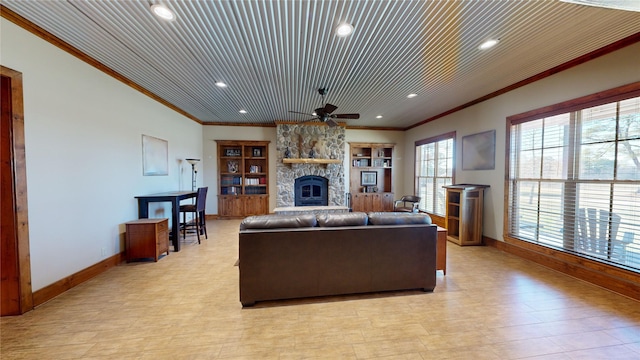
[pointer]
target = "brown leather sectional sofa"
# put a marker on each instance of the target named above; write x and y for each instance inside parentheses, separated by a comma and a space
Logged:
(284, 257)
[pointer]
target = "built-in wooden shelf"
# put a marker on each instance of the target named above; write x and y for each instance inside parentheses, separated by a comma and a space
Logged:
(311, 161)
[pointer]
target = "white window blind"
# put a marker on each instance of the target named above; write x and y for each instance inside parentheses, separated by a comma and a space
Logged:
(574, 181)
(433, 170)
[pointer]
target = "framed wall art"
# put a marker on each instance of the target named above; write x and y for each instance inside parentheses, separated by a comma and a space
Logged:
(155, 156)
(479, 151)
(368, 178)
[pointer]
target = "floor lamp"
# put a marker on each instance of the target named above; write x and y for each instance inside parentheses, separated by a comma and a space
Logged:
(194, 172)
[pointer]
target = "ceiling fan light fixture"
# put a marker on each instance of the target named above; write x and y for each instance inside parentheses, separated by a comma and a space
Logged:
(163, 12)
(221, 84)
(344, 30)
(488, 44)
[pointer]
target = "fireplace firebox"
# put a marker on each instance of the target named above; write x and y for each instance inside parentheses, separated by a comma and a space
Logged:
(311, 190)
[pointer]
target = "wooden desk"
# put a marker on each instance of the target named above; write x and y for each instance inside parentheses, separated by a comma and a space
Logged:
(441, 248)
(174, 197)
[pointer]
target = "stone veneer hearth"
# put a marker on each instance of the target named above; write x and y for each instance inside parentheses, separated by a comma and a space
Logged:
(298, 141)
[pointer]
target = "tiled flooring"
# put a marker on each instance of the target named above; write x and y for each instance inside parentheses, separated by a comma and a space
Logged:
(490, 305)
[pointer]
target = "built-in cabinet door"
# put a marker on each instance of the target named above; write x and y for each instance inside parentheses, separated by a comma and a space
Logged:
(255, 205)
(367, 202)
(357, 202)
(375, 202)
(387, 202)
(230, 205)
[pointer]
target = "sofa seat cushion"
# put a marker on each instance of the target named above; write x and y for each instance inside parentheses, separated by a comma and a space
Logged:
(398, 218)
(278, 221)
(345, 219)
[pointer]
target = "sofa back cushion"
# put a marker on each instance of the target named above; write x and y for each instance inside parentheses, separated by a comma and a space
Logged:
(398, 218)
(342, 219)
(278, 221)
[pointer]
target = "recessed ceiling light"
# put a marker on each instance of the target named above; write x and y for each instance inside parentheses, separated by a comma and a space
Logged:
(344, 29)
(488, 44)
(412, 95)
(163, 12)
(220, 84)
(379, 117)
(243, 111)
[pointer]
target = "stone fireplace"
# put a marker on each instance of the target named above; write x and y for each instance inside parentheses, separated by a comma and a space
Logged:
(307, 141)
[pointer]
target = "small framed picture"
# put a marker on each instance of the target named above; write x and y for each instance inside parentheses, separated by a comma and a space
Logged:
(257, 152)
(232, 166)
(368, 178)
(231, 152)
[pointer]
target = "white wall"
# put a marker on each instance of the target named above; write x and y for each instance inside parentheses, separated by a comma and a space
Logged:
(610, 71)
(83, 134)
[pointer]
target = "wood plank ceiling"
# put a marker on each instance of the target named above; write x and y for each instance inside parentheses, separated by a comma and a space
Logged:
(274, 55)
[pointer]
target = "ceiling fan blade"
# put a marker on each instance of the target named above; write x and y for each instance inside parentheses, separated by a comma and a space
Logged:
(328, 108)
(346, 116)
(331, 122)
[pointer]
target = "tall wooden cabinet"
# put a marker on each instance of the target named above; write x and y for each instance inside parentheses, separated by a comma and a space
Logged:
(371, 176)
(243, 178)
(464, 213)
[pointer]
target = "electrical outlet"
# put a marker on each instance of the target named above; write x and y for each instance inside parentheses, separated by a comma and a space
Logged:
(103, 252)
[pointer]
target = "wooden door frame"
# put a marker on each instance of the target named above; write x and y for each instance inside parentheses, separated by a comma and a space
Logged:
(20, 188)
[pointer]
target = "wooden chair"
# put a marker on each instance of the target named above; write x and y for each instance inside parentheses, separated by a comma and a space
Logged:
(197, 210)
(408, 203)
(597, 232)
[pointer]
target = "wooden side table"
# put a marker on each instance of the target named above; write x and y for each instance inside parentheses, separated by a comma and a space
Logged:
(147, 238)
(441, 248)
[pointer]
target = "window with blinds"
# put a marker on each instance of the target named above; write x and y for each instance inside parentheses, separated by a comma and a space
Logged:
(574, 180)
(433, 170)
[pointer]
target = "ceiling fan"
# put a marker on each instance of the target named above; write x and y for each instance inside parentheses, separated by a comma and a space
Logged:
(325, 115)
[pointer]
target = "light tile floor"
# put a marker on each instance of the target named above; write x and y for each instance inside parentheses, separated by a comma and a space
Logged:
(490, 305)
